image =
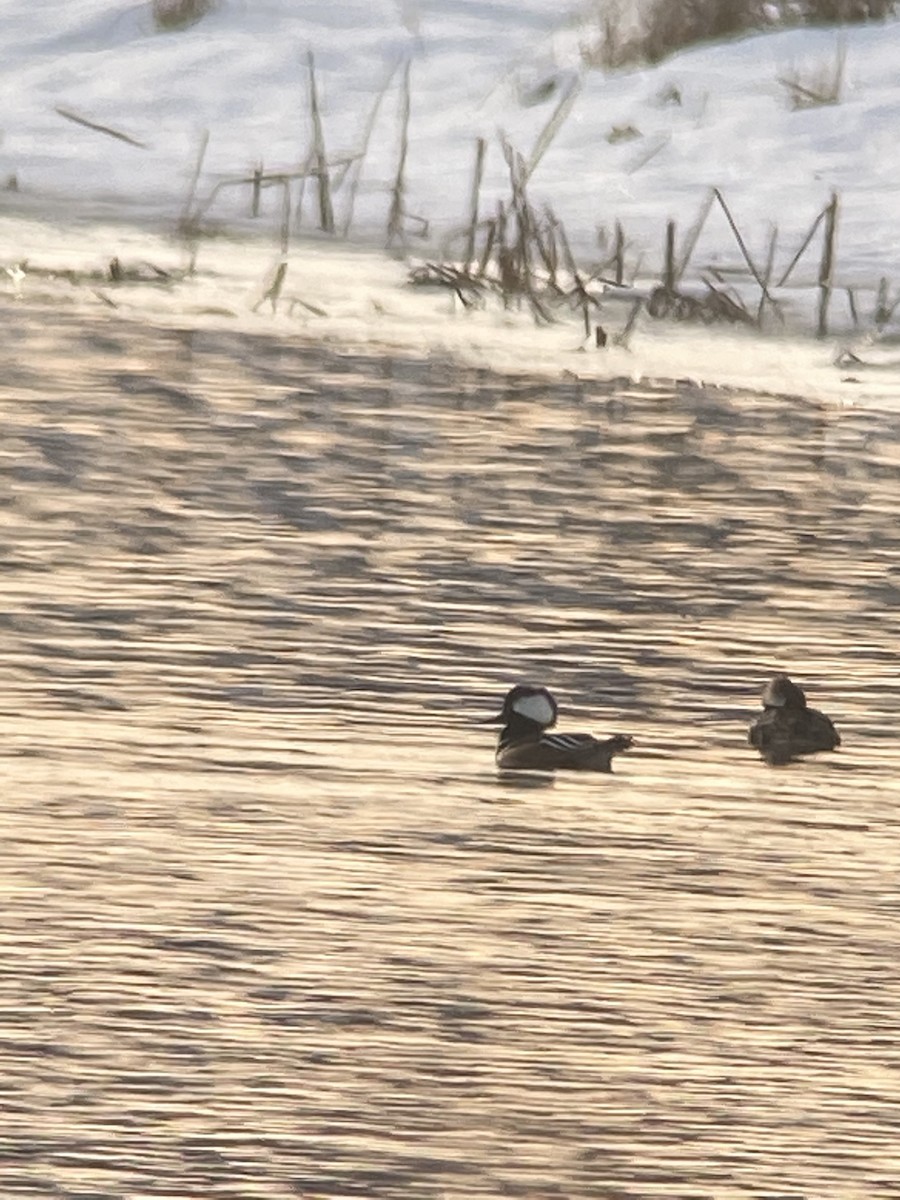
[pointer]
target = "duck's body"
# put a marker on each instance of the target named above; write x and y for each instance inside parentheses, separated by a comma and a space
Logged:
(788, 728)
(524, 744)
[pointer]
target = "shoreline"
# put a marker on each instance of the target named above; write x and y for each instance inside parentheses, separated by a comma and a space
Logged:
(358, 298)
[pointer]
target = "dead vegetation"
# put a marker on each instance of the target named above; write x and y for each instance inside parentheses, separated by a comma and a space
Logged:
(511, 250)
(621, 33)
(78, 119)
(816, 86)
(520, 255)
(170, 15)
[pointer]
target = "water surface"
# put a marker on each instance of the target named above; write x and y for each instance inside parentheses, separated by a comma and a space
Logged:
(272, 925)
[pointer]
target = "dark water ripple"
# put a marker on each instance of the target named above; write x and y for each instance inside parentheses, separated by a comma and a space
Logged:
(272, 927)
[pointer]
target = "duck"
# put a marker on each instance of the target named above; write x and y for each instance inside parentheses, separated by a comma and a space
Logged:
(524, 745)
(788, 728)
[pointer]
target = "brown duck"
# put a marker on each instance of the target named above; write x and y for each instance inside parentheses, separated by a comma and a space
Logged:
(788, 727)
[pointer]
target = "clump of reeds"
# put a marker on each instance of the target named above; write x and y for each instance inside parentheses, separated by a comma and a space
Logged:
(169, 15)
(520, 253)
(618, 33)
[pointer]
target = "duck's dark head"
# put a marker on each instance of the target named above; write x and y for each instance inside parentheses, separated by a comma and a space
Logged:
(781, 692)
(526, 703)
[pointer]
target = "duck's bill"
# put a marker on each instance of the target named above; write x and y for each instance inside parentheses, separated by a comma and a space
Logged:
(498, 720)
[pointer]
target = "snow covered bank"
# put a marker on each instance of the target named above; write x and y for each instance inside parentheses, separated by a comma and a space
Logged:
(711, 116)
(639, 147)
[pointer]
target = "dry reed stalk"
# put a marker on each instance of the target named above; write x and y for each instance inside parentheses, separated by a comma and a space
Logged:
(489, 238)
(742, 245)
(188, 222)
(624, 337)
(273, 289)
(669, 277)
(520, 267)
(884, 306)
(477, 176)
(693, 234)
(851, 304)
(549, 249)
(506, 267)
(257, 189)
(359, 157)
(826, 266)
(319, 156)
(552, 127)
(187, 209)
(586, 300)
(822, 87)
(650, 154)
(306, 170)
(767, 277)
(107, 129)
(285, 217)
(397, 209)
(788, 271)
(619, 254)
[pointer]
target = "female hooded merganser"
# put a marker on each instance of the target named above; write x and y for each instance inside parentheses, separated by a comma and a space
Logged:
(787, 727)
(524, 746)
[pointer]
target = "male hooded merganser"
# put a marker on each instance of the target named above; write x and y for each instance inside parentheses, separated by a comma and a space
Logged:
(787, 727)
(524, 746)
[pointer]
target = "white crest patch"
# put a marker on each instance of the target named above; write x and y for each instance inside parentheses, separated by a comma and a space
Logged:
(536, 708)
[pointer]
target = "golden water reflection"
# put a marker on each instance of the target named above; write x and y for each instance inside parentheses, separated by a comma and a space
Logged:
(272, 926)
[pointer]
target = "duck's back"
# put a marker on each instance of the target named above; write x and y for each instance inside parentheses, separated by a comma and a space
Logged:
(781, 733)
(562, 752)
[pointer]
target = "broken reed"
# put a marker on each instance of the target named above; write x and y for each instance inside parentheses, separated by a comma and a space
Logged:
(673, 271)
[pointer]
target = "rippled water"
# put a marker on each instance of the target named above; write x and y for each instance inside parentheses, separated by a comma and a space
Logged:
(273, 927)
